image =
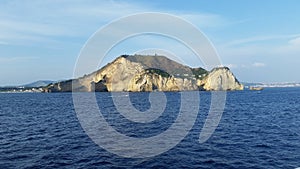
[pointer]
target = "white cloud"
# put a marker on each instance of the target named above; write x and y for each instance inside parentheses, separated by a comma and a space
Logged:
(3, 43)
(24, 22)
(295, 42)
(231, 66)
(16, 59)
(258, 64)
(256, 39)
(27, 22)
(290, 48)
(104, 10)
(250, 49)
(204, 20)
(34, 28)
(244, 66)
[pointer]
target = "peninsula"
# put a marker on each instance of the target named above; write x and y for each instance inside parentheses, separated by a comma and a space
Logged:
(144, 73)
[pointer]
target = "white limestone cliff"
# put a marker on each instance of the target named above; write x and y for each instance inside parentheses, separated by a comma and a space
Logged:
(220, 79)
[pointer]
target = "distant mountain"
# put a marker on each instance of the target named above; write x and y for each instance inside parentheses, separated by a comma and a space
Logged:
(139, 73)
(40, 83)
(37, 86)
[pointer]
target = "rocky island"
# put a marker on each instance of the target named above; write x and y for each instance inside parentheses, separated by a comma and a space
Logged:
(139, 73)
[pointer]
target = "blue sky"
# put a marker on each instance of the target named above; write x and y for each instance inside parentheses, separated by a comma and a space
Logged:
(258, 40)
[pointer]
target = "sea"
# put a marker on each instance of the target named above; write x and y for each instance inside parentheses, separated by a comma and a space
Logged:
(258, 129)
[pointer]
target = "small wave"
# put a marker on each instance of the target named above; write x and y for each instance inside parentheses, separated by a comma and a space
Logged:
(263, 146)
(126, 95)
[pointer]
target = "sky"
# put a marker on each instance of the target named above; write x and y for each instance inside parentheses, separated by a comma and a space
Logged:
(41, 40)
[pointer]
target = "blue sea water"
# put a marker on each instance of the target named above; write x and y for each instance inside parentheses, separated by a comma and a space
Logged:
(258, 129)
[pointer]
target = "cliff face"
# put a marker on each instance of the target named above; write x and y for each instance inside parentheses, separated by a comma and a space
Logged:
(138, 73)
(220, 79)
(146, 81)
(118, 75)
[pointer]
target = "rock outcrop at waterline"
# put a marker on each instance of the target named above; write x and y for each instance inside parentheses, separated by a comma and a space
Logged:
(137, 73)
(220, 78)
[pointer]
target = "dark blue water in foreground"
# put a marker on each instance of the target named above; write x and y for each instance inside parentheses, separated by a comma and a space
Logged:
(257, 130)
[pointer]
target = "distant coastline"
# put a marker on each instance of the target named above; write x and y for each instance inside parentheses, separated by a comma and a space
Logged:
(21, 89)
(272, 85)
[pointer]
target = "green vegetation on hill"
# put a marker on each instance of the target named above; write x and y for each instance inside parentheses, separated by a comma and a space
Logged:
(199, 73)
(162, 63)
(158, 71)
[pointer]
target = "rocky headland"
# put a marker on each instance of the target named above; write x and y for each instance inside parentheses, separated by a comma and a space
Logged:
(138, 73)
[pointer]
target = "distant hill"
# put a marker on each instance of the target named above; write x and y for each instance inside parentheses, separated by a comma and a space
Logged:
(31, 87)
(40, 83)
